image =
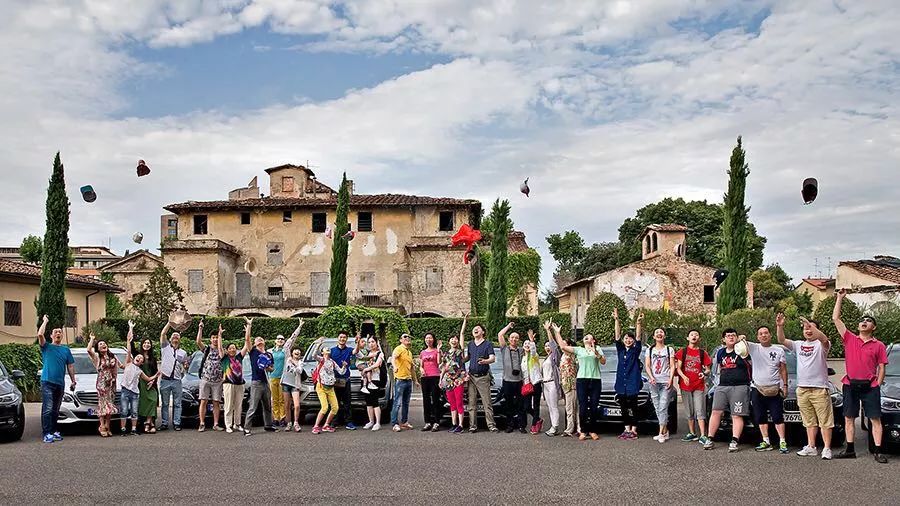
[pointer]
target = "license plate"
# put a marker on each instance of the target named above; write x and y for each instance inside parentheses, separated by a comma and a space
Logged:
(792, 418)
(209, 408)
(612, 412)
(90, 411)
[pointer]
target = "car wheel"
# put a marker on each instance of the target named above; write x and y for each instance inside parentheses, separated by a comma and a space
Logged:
(16, 433)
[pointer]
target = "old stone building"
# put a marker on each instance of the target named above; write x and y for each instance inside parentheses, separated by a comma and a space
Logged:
(271, 255)
(871, 283)
(663, 278)
(817, 288)
(132, 272)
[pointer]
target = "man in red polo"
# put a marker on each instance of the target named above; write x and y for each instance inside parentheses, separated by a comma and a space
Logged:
(865, 358)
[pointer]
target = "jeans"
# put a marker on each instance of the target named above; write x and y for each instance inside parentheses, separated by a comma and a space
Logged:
(345, 413)
(533, 404)
(51, 398)
(588, 390)
(660, 395)
(129, 404)
(259, 393)
(431, 399)
(167, 388)
(515, 405)
(402, 392)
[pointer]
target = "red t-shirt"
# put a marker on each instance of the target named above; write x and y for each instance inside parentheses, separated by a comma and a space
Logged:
(862, 358)
(692, 368)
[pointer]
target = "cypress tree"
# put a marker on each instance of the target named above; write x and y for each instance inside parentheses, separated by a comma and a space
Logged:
(733, 292)
(51, 299)
(476, 287)
(497, 301)
(337, 290)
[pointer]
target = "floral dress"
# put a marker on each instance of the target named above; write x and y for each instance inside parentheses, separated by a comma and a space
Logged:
(107, 371)
(568, 370)
(456, 371)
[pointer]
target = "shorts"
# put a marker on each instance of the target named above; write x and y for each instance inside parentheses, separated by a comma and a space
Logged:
(128, 404)
(870, 400)
(763, 407)
(815, 407)
(694, 404)
(733, 398)
(211, 391)
(289, 389)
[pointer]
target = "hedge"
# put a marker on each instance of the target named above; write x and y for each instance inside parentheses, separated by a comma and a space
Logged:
(850, 314)
(444, 328)
(26, 358)
(598, 320)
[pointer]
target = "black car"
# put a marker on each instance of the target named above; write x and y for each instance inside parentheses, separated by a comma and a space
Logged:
(611, 412)
(12, 408)
(890, 404)
(191, 385)
(792, 419)
(496, 399)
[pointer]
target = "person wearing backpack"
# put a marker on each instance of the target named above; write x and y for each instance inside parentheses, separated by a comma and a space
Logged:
(210, 376)
(324, 379)
(659, 362)
(692, 363)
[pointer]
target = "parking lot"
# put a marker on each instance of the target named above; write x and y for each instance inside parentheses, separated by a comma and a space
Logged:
(420, 468)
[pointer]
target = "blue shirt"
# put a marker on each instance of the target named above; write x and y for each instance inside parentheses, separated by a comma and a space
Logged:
(628, 373)
(341, 355)
(477, 352)
(55, 357)
(258, 373)
(278, 358)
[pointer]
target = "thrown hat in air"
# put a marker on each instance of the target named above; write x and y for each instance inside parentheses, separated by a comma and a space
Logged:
(142, 169)
(810, 190)
(524, 187)
(720, 276)
(88, 193)
(137, 237)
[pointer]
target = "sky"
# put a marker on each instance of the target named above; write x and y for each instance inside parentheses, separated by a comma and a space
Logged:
(605, 106)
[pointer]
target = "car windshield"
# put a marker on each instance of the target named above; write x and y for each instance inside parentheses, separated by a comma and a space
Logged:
(3, 373)
(893, 367)
(194, 368)
(328, 343)
(83, 364)
(791, 360)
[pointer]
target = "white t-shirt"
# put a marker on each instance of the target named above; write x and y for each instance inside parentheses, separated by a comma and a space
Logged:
(547, 369)
(659, 362)
(812, 366)
(131, 377)
(767, 362)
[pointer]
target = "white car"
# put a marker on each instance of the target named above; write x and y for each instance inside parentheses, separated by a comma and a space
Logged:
(81, 405)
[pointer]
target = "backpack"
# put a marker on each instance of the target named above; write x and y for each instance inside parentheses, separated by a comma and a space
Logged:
(203, 361)
(315, 374)
(684, 357)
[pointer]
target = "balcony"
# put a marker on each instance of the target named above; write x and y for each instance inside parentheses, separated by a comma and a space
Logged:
(295, 300)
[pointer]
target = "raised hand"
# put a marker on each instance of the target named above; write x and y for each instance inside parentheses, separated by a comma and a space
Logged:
(841, 293)
(440, 344)
(616, 313)
(130, 324)
(640, 318)
(556, 328)
(779, 320)
(46, 319)
(531, 335)
(547, 325)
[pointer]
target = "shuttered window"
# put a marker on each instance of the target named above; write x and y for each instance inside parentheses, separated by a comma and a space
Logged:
(195, 280)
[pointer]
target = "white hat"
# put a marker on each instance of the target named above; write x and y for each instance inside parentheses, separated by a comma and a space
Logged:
(742, 349)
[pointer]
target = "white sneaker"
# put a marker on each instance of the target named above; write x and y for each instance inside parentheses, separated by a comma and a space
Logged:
(663, 438)
(229, 430)
(808, 451)
(368, 426)
(733, 447)
(377, 426)
(826, 454)
(657, 437)
(364, 390)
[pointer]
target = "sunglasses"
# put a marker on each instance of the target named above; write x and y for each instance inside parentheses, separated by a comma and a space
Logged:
(869, 320)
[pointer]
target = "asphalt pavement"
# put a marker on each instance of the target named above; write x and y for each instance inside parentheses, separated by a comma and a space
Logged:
(413, 467)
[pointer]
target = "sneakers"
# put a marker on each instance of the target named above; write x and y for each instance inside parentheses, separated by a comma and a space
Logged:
(377, 426)
(201, 428)
(826, 454)
(134, 432)
(809, 451)
(406, 426)
(846, 455)
(316, 429)
(690, 437)
(57, 436)
(663, 438)
(733, 446)
(472, 430)
(624, 436)
(523, 430)
(349, 426)
(764, 447)
(435, 428)
(368, 425)
(270, 428)
(48, 438)
(538, 426)
(881, 459)
(329, 428)
(782, 447)
(632, 436)
(247, 432)
(177, 428)
(492, 429)
(707, 443)
(364, 390)
(426, 428)
(396, 428)
(229, 430)
(510, 429)
(163, 428)
(457, 430)
(552, 432)
(240, 428)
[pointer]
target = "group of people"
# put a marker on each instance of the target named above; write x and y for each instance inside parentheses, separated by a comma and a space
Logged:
(753, 377)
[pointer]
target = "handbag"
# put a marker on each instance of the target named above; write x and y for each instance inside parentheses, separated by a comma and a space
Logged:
(340, 383)
(769, 391)
(527, 389)
(860, 386)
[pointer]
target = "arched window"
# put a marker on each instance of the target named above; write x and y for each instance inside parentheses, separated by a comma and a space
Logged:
(647, 245)
(655, 245)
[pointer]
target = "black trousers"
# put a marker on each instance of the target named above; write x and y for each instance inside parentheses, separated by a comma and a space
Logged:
(628, 403)
(431, 399)
(515, 406)
(533, 403)
(345, 412)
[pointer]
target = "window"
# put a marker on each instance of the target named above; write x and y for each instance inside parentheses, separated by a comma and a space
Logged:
(287, 217)
(245, 218)
(287, 184)
(195, 280)
(273, 254)
(318, 222)
(709, 294)
(446, 221)
(655, 245)
(172, 233)
(173, 222)
(72, 317)
(434, 279)
(12, 313)
(275, 291)
(200, 224)
(364, 221)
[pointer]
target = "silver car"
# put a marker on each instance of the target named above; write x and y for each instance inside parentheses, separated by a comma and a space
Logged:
(81, 405)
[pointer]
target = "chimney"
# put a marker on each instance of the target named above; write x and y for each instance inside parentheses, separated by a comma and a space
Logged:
(350, 186)
(667, 240)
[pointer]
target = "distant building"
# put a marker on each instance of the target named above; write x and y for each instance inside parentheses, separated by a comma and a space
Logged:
(88, 259)
(132, 272)
(817, 288)
(871, 283)
(19, 287)
(663, 278)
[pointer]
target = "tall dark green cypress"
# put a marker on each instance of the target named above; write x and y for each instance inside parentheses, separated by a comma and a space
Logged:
(476, 287)
(337, 291)
(497, 302)
(55, 255)
(733, 292)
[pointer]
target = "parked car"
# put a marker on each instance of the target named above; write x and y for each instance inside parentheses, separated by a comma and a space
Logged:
(191, 384)
(12, 407)
(610, 412)
(496, 398)
(890, 404)
(309, 400)
(792, 417)
(82, 404)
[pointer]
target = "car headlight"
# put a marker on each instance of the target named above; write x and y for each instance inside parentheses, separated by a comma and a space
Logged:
(889, 404)
(837, 399)
(9, 399)
(188, 395)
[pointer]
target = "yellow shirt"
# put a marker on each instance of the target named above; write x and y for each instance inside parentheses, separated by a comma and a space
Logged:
(403, 363)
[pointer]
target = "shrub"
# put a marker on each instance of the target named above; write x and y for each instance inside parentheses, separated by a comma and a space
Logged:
(599, 319)
(445, 328)
(677, 327)
(888, 318)
(351, 318)
(26, 358)
(850, 314)
(101, 331)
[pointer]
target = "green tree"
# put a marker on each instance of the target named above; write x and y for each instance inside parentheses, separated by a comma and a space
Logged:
(152, 305)
(114, 306)
(31, 249)
(337, 291)
(55, 254)
(850, 315)
(598, 320)
(567, 249)
(704, 240)
(497, 297)
(477, 300)
(733, 293)
(602, 257)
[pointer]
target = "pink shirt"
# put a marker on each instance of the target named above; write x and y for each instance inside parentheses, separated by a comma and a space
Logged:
(430, 362)
(863, 358)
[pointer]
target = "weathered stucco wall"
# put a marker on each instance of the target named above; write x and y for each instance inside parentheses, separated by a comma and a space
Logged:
(133, 275)
(27, 293)
(850, 278)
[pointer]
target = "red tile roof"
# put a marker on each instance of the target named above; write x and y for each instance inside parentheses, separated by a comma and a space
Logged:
(517, 242)
(379, 200)
(820, 283)
(886, 268)
(33, 273)
(663, 227)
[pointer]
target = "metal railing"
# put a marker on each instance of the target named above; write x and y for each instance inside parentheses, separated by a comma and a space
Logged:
(290, 300)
